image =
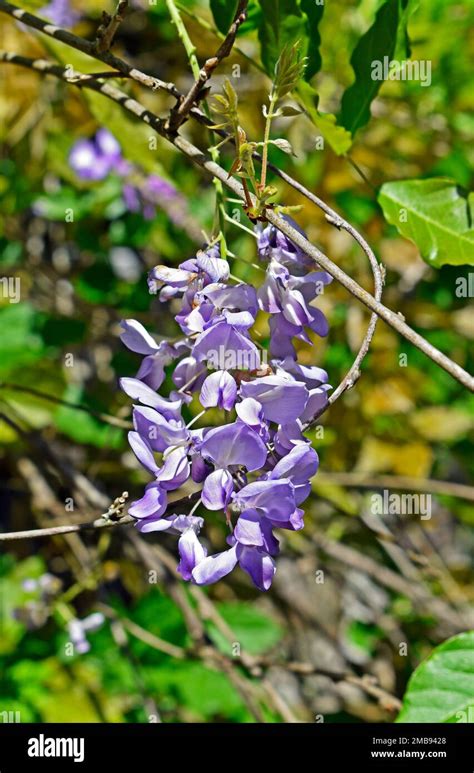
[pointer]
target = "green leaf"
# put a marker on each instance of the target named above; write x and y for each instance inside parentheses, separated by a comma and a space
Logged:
(314, 12)
(336, 136)
(435, 215)
(85, 428)
(379, 41)
(403, 45)
(201, 692)
(20, 345)
(254, 631)
(442, 687)
(223, 12)
(289, 70)
(15, 597)
(282, 23)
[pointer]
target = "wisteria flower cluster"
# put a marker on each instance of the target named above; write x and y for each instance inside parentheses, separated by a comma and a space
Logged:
(255, 468)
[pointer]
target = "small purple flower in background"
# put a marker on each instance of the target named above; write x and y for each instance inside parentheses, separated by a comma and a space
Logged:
(61, 13)
(256, 467)
(94, 159)
(77, 630)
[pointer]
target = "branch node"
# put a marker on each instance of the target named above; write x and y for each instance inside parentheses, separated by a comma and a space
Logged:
(109, 26)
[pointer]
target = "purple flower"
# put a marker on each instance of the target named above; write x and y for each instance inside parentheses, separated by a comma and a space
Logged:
(61, 13)
(225, 346)
(137, 390)
(273, 498)
(255, 561)
(191, 552)
(94, 159)
(256, 469)
(282, 398)
(217, 490)
(220, 390)
(160, 433)
(151, 505)
(272, 243)
(234, 445)
(77, 630)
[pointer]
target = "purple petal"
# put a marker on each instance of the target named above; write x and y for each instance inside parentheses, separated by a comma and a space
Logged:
(311, 375)
(175, 277)
(318, 322)
(158, 431)
(143, 452)
(282, 399)
(136, 338)
(288, 436)
(217, 490)
(317, 402)
(258, 565)
(191, 553)
(137, 390)
(250, 411)
(175, 470)
(275, 497)
(219, 389)
(216, 268)
(234, 444)
(241, 297)
(213, 568)
(152, 504)
(226, 348)
(299, 465)
(147, 525)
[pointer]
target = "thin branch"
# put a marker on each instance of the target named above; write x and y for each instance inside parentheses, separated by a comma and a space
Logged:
(109, 27)
(150, 555)
(197, 90)
(396, 321)
(87, 47)
(99, 523)
(418, 593)
(142, 634)
(367, 682)
(404, 482)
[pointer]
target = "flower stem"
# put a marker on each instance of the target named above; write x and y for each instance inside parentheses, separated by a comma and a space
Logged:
(190, 49)
(188, 44)
(266, 139)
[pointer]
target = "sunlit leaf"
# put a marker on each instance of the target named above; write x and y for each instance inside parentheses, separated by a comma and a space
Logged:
(436, 215)
(442, 687)
(337, 137)
(255, 631)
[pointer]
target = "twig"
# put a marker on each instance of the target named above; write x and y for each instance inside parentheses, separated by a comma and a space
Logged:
(109, 27)
(197, 90)
(99, 523)
(395, 321)
(142, 634)
(87, 47)
(404, 482)
(367, 682)
(418, 593)
(150, 555)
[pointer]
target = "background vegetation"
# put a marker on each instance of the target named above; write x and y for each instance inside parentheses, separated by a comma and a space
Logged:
(387, 581)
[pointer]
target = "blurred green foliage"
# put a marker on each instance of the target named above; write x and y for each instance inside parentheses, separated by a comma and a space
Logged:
(398, 420)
